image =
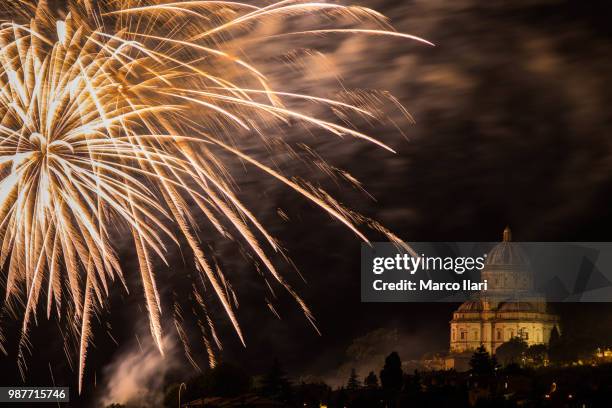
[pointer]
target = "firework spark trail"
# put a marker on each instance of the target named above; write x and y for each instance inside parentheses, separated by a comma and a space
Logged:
(98, 135)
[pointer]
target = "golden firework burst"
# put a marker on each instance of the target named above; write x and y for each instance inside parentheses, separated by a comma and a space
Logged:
(119, 115)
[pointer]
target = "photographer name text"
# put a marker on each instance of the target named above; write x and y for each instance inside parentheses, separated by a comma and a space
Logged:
(411, 264)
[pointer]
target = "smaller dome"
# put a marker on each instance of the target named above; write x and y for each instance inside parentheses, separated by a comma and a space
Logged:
(471, 306)
(516, 307)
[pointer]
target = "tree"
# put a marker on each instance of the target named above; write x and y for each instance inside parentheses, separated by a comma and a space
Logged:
(391, 378)
(341, 398)
(275, 383)
(555, 348)
(554, 336)
(371, 381)
(312, 394)
(353, 381)
(570, 347)
(511, 351)
(481, 363)
(391, 375)
(538, 353)
(412, 383)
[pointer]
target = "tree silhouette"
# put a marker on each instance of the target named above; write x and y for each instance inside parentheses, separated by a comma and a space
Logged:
(555, 347)
(511, 351)
(341, 398)
(371, 381)
(391, 375)
(554, 335)
(481, 363)
(391, 378)
(275, 383)
(537, 353)
(413, 383)
(353, 381)
(571, 346)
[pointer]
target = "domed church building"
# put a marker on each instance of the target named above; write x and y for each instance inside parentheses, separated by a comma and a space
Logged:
(509, 308)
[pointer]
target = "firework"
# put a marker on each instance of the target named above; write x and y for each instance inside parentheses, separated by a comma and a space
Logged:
(121, 115)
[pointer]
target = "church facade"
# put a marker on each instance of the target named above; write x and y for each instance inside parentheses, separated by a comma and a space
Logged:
(509, 308)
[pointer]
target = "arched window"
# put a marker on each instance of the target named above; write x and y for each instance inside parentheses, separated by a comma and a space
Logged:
(499, 334)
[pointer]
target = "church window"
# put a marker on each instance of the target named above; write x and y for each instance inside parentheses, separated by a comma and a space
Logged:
(499, 335)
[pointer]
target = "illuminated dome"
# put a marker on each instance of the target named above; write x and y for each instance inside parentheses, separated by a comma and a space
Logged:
(507, 252)
(507, 267)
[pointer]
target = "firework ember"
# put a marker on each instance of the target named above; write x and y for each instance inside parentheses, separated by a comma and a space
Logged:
(121, 115)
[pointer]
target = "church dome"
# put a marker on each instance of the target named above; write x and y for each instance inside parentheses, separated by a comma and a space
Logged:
(471, 306)
(507, 267)
(507, 252)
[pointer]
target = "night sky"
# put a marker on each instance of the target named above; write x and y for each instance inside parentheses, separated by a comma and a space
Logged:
(513, 122)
